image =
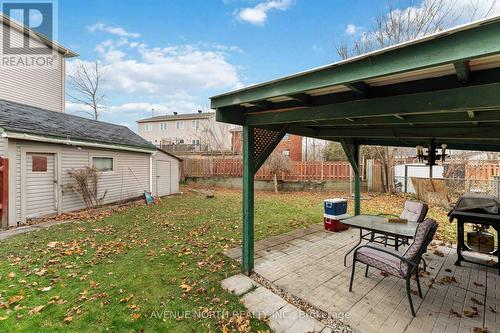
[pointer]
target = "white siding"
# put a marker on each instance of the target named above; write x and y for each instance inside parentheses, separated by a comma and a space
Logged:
(162, 187)
(40, 187)
(3, 147)
(120, 184)
(37, 86)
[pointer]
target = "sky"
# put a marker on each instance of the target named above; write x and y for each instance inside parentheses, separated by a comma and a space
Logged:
(172, 55)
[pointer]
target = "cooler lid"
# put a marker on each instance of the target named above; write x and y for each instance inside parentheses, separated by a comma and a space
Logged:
(336, 200)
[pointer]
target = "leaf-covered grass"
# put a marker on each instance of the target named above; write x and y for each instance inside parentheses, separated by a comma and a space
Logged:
(143, 268)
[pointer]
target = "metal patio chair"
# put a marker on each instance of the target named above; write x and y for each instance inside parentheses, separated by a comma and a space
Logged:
(402, 265)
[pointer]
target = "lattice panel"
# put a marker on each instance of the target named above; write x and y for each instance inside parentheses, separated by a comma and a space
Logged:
(263, 138)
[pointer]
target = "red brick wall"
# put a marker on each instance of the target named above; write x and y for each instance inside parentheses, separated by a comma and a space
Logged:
(293, 144)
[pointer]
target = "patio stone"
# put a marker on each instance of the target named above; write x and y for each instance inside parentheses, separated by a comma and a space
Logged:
(290, 319)
(262, 303)
(238, 284)
(309, 265)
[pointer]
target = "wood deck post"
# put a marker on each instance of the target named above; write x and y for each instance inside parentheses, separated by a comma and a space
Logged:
(248, 200)
(351, 150)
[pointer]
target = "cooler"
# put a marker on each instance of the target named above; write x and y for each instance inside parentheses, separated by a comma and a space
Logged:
(335, 207)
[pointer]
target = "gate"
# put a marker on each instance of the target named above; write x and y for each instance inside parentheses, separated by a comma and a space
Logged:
(4, 191)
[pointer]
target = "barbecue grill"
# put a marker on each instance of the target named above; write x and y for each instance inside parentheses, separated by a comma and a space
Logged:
(481, 210)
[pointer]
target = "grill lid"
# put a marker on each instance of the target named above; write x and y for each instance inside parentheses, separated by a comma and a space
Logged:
(478, 203)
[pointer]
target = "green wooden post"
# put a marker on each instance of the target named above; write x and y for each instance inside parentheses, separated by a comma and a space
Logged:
(248, 199)
(351, 150)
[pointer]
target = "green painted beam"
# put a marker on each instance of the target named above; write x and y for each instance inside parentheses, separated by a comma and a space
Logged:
(247, 262)
(463, 71)
(438, 119)
(478, 41)
(480, 97)
(359, 88)
(230, 116)
(476, 133)
(351, 149)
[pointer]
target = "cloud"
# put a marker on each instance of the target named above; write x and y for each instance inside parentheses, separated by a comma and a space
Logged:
(351, 29)
(257, 15)
(117, 31)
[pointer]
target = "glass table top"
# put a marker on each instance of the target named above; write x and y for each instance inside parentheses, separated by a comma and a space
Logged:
(380, 224)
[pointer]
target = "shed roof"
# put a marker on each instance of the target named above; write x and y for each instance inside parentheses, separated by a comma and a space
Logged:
(443, 88)
(20, 118)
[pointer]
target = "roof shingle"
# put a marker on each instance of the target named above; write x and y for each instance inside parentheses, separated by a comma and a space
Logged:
(22, 118)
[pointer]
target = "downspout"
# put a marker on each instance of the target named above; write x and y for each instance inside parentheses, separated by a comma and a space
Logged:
(151, 173)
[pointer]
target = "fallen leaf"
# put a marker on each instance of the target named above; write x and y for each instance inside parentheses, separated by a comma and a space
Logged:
(68, 319)
(480, 330)
(135, 316)
(187, 288)
(11, 275)
(52, 244)
(476, 301)
(36, 310)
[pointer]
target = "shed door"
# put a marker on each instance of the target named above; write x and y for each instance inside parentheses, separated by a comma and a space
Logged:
(162, 178)
(41, 196)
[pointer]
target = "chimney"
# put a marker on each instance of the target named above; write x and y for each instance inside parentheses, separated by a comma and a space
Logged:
(199, 111)
(175, 113)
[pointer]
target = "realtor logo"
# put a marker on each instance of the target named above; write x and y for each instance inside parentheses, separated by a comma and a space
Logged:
(28, 36)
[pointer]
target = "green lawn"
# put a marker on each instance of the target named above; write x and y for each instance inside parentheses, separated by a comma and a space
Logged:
(140, 268)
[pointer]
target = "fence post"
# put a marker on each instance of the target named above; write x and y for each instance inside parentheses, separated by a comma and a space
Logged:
(4, 191)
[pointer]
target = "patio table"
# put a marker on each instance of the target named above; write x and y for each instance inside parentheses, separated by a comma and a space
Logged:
(379, 225)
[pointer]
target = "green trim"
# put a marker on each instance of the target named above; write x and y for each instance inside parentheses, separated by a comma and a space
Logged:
(474, 42)
(248, 200)
(481, 97)
(63, 141)
(351, 150)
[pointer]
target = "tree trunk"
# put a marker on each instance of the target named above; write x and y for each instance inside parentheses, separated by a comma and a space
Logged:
(275, 180)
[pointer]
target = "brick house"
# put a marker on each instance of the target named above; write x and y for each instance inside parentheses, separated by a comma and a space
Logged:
(290, 145)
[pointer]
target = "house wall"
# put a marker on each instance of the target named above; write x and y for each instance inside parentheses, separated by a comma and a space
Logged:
(3, 147)
(120, 184)
(40, 86)
(214, 134)
(174, 171)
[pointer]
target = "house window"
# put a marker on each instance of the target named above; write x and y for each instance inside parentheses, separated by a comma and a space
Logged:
(148, 127)
(163, 126)
(195, 142)
(195, 124)
(286, 152)
(180, 125)
(103, 163)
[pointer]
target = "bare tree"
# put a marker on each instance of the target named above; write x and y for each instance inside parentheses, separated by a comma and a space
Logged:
(277, 163)
(85, 84)
(398, 26)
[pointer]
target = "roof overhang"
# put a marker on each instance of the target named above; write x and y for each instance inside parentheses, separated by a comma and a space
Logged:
(443, 88)
(71, 142)
(67, 53)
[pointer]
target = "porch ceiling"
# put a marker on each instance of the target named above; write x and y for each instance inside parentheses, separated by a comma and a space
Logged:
(444, 87)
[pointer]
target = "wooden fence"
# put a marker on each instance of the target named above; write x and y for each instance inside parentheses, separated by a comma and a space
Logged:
(4, 191)
(482, 170)
(301, 171)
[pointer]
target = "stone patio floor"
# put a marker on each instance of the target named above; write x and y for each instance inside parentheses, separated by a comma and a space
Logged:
(308, 263)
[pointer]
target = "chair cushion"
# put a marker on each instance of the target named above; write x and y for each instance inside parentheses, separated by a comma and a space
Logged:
(421, 233)
(381, 260)
(413, 211)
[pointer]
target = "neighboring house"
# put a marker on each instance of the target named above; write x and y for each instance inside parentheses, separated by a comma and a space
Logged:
(185, 133)
(290, 145)
(42, 146)
(41, 143)
(42, 86)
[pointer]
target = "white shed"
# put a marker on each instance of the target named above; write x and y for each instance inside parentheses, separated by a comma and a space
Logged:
(42, 146)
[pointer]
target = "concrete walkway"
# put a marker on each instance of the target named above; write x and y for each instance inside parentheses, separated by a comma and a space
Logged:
(4, 234)
(264, 304)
